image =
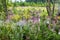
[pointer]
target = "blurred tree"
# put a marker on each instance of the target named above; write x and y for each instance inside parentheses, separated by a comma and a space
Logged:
(4, 4)
(49, 10)
(1, 6)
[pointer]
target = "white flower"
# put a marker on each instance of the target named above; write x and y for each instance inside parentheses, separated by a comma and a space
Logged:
(21, 23)
(58, 32)
(47, 22)
(39, 20)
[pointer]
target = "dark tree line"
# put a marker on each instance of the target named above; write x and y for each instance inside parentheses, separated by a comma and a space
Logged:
(37, 1)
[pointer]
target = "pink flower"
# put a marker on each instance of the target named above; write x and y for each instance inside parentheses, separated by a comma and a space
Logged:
(35, 19)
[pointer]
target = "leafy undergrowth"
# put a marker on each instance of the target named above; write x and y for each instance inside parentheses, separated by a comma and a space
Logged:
(11, 31)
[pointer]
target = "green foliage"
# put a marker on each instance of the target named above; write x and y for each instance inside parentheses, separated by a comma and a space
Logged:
(27, 4)
(11, 31)
(2, 16)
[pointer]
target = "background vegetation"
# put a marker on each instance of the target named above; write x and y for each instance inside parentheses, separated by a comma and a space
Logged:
(16, 20)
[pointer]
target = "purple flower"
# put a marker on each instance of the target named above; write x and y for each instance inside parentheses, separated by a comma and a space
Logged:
(35, 19)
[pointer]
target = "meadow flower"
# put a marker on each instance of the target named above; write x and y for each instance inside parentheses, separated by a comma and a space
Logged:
(21, 23)
(16, 17)
(58, 17)
(58, 32)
